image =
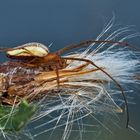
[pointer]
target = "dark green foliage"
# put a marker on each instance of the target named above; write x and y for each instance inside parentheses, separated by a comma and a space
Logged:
(14, 119)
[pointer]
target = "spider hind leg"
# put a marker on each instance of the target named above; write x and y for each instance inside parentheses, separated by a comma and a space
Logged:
(107, 74)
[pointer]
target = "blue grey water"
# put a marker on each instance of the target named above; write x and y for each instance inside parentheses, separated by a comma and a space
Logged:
(63, 22)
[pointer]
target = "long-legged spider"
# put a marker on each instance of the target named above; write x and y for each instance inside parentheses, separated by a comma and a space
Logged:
(37, 55)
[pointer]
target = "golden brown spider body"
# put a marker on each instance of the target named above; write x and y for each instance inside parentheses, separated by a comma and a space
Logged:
(36, 55)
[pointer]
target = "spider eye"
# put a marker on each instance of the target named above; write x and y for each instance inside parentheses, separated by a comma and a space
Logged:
(29, 49)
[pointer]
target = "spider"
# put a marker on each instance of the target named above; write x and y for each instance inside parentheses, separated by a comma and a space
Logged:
(38, 55)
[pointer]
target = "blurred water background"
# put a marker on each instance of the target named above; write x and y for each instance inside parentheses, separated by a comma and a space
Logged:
(64, 22)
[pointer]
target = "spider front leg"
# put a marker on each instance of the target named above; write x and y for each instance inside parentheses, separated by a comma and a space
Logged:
(78, 68)
(86, 43)
(107, 74)
(72, 70)
(57, 75)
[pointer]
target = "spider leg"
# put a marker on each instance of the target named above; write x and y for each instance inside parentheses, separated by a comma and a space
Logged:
(57, 74)
(88, 42)
(75, 70)
(5, 49)
(21, 64)
(79, 68)
(33, 60)
(51, 75)
(106, 73)
(28, 65)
